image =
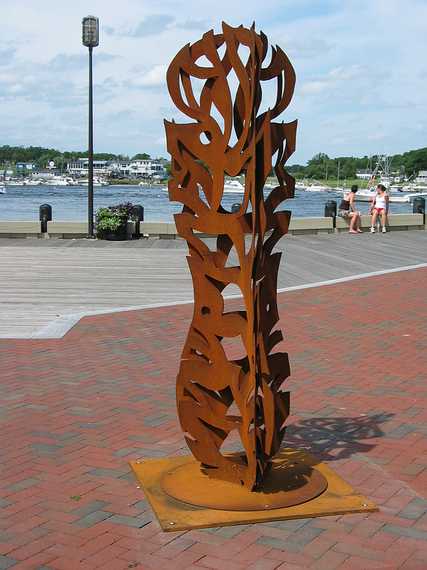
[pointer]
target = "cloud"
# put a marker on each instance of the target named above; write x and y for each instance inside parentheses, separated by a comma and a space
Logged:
(309, 47)
(353, 79)
(333, 79)
(156, 24)
(193, 25)
(66, 61)
(7, 53)
(151, 26)
(154, 77)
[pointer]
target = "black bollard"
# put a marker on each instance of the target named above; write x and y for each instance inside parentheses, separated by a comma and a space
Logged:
(235, 208)
(138, 216)
(45, 216)
(331, 211)
(419, 207)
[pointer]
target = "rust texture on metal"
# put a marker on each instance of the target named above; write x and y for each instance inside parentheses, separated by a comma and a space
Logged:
(218, 83)
(217, 506)
(291, 481)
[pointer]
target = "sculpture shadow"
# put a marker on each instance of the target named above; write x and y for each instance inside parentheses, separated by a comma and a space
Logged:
(333, 438)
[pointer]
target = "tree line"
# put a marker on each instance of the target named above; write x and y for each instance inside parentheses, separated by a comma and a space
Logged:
(321, 166)
(41, 156)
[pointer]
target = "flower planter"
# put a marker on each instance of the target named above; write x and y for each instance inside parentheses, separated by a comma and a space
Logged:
(120, 234)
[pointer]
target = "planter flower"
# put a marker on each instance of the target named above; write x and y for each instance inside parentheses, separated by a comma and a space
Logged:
(111, 222)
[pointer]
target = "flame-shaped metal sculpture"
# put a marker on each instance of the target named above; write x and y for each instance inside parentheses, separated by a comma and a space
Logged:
(231, 137)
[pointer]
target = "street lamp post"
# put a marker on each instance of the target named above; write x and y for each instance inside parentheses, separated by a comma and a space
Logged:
(90, 38)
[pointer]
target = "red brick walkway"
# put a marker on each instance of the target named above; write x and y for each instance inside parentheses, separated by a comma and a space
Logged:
(74, 411)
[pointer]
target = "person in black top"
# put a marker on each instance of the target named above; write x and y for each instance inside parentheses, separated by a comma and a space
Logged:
(347, 210)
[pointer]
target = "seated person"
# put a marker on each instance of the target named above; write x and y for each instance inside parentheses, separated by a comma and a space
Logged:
(347, 210)
(379, 207)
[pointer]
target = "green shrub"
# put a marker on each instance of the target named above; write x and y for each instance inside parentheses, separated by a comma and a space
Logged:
(108, 220)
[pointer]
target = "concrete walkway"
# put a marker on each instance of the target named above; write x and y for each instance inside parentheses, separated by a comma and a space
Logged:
(42, 281)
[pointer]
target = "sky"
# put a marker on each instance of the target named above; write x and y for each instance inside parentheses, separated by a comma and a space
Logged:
(361, 69)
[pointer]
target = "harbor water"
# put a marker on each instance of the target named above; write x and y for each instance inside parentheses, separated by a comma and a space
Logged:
(70, 203)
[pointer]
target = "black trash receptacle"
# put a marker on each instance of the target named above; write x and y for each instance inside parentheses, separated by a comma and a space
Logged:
(419, 205)
(138, 216)
(331, 211)
(45, 216)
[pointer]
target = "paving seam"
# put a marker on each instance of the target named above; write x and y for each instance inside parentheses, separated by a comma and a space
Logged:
(59, 328)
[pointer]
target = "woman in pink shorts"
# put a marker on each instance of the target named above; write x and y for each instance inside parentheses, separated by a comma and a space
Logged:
(379, 207)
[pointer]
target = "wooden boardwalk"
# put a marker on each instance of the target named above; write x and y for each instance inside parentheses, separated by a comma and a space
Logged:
(41, 280)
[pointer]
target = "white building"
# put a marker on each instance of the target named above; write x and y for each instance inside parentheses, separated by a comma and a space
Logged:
(422, 177)
(363, 174)
(147, 168)
(80, 167)
(144, 168)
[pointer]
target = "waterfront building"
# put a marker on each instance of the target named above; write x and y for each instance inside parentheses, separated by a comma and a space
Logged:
(80, 167)
(422, 177)
(22, 167)
(146, 168)
(363, 174)
(143, 168)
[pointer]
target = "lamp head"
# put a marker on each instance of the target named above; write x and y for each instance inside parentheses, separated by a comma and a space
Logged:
(90, 31)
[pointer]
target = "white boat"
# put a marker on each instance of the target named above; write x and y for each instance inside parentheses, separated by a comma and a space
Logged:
(57, 181)
(15, 182)
(413, 187)
(369, 194)
(233, 187)
(269, 186)
(96, 182)
(318, 188)
(2, 189)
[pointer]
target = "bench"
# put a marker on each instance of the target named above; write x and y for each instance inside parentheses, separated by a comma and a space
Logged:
(395, 222)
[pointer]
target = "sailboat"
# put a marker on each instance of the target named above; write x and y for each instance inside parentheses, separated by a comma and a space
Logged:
(382, 172)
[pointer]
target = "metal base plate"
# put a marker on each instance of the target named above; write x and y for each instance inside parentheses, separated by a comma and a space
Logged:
(290, 482)
(154, 476)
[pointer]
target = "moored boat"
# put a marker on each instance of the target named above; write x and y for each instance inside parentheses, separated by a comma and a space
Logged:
(318, 188)
(368, 195)
(233, 187)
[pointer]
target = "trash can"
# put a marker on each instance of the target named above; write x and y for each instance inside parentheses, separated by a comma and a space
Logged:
(331, 211)
(419, 205)
(45, 216)
(138, 216)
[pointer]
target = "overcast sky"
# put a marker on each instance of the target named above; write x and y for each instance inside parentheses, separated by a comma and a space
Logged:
(361, 70)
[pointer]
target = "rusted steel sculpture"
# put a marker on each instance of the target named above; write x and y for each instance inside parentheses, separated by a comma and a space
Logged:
(230, 136)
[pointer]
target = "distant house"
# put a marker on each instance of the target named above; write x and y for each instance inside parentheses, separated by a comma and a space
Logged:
(80, 167)
(422, 177)
(149, 168)
(144, 168)
(25, 166)
(363, 174)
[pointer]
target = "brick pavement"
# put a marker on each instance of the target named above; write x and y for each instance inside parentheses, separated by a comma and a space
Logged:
(74, 411)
